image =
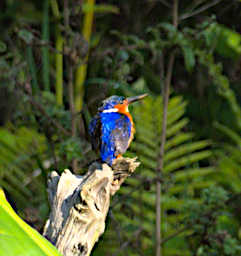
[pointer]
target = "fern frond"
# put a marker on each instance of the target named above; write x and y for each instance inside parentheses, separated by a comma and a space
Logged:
(181, 170)
(187, 160)
(176, 127)
(178, 139)
(230, 159)
(17, 165)
(234, 136)
(185, 149)
(191, 173)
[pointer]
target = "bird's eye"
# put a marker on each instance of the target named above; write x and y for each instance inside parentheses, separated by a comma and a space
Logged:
(122, 101)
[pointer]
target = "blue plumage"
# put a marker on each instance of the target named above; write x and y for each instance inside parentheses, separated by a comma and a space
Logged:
(115, 134)
(111, 130)
(111, 102)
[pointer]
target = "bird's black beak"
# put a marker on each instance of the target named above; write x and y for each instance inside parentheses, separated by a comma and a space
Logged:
(136, 98)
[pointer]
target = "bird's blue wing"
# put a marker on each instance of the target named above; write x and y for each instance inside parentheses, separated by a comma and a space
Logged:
(115, 134)
(95, 132)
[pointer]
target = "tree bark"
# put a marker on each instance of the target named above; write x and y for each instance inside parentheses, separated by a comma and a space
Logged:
(79, 205)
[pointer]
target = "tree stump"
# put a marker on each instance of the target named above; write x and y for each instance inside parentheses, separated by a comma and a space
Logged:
(79, 205)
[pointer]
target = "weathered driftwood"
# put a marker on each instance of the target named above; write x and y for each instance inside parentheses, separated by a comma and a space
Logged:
(79, 205)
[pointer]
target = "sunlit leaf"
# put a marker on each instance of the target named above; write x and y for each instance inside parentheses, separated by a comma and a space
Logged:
(17, 237)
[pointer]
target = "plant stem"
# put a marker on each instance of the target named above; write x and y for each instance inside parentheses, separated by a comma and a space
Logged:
(82, 69)
(59, 56)
(163, 137)
(72, 110)
(45, 50)
(70, 81)
(201, 9)
(32, 69)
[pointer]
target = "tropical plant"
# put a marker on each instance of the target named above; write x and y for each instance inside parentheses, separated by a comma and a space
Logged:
(186, 171)
(59, 59)
(20, 152)
(17, 237)
(229, 163)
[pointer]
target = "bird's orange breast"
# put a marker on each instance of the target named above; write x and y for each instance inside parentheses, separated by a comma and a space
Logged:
(123, 109)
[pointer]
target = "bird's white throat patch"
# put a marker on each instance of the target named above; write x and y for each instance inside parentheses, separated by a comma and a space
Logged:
(122, 109)
(110, 110)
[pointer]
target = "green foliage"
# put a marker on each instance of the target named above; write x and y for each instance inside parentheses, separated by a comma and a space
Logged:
(26, 36)
(17, 237)
(205, 219)
(3, 47)
(221, 82)
(32, 69)
(19, 171)
(45, 50)
(182, 177)
(227, 42)
(128, 51)
(229, 163)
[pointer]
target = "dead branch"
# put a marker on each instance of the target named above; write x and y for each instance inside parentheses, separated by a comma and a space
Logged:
(79, 205)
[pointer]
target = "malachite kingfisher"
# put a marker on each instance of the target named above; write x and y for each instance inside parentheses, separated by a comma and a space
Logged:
(112, 128)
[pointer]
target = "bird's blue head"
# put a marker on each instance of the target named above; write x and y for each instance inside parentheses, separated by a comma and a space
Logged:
(119, 103)
(111, 102)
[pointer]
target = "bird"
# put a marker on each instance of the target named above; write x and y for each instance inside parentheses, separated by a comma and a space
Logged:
(112, 128)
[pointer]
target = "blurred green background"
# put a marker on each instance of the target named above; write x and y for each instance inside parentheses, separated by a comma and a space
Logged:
(60, 59)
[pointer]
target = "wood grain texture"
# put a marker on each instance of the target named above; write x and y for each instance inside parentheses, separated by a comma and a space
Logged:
(79, 205)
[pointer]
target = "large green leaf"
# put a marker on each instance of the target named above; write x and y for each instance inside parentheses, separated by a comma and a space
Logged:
(17, 237)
